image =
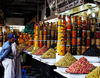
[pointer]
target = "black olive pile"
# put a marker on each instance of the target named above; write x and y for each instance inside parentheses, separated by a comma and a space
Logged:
(53, 46)
(92, 51)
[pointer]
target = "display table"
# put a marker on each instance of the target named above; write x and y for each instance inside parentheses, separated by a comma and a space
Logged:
(65, 74)
(68, 75)
(38, 58)
(40, 64)
(47, 68)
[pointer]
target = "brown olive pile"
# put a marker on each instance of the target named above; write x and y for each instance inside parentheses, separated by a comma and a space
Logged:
(51, 53)
(66, 61)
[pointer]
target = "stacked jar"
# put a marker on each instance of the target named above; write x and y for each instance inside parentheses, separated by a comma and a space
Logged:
(52, 33)
(79, 36)
(36, 35)
(44, 34)
(59, 33)
(98, 22)
(83, 36)
(30, 40)
(68, 35)
(62, 37)
(97, 35)
(74, 36)
(65, 32)
(56, 33)
(40, 35)
(48, 35)
(93, 41)
(88, 33)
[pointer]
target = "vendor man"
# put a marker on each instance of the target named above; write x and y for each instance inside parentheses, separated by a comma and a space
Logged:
(6, 56)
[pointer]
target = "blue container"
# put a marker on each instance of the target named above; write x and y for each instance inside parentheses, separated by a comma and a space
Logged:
(23, 73)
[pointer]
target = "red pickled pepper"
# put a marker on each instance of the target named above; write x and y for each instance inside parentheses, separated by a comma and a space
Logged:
(73, 33)
(41, 50)
(84, 24)
(82, 66)
(75, 18)
(44, 31)
(69, 23)
(83, 33)
(79, 21)
(97, 34)
(73, 41)
(64, 22)
(88, 41)
(40, 44)
(34, 33)
(59, 16)
(69, 20)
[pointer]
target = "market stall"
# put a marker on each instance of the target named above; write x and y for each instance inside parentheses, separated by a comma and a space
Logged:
(76, 33)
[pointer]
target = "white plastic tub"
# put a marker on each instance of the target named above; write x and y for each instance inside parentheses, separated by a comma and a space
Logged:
(62, 69)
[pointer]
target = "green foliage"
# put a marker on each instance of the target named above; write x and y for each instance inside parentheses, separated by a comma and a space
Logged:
(29, 28)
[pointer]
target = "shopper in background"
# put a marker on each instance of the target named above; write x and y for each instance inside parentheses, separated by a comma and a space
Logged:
(16, 70)
(6, 56)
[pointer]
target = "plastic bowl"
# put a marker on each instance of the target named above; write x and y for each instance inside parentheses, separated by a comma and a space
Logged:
(62, 69)
(49, 60)
(93, 59)
(78, 56)
(78, 75)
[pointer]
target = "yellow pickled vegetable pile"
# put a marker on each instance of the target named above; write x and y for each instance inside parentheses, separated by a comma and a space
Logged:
(36, 49)
(95, 73)
(66, 61)
(25, 44)
(22, 46)
(56, 47)
(51, 53)
(30, 48)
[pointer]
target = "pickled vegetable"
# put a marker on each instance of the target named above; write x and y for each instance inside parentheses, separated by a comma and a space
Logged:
(51, 53)
(36, 49)
(92, 51)
(82, 66)
(66, 61)
(41, 50)
(95, 73)
(53, 46)
(27, 47)
(22, 46)
(30, 48)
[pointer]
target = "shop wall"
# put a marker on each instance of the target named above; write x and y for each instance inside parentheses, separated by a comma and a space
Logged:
(43, 13)
(14, 21)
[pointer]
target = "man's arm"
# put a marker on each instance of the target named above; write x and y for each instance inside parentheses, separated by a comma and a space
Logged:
(5, 53)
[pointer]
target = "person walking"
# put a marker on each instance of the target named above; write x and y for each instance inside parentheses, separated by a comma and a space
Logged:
(6, 56)
(16, 60)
